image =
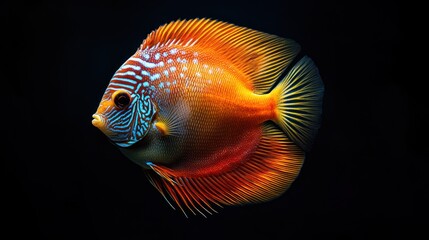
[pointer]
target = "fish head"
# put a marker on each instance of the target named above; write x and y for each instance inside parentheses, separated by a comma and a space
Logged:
(124, 115)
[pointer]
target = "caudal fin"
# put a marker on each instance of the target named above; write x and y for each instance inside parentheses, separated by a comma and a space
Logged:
(300, 103)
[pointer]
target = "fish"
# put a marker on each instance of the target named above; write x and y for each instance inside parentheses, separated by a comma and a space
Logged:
(215, 113)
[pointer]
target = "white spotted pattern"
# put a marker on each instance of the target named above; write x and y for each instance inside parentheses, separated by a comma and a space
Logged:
(151, 71)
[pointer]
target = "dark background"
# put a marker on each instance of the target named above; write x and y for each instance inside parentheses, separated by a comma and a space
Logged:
(63, 180)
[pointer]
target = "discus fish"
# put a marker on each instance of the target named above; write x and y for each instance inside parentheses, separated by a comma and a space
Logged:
(216, 114)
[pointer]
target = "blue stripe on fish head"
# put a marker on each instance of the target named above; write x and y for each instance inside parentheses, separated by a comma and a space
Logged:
(125, 121)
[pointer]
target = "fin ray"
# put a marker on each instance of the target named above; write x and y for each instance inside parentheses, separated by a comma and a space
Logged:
(269, 171)
(300, 102)
(175, 118)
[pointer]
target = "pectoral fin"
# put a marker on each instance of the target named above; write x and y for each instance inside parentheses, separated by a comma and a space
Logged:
(162, 128)
(172, 121)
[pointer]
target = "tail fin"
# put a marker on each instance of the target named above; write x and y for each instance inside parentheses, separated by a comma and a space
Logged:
(300, 102)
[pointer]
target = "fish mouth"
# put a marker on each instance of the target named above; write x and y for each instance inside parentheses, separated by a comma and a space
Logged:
(97, 121)
(100, 122)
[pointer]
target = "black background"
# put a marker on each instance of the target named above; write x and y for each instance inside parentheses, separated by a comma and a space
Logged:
(64, 180)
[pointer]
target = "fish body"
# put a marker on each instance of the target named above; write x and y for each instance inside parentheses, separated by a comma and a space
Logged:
(207, 108)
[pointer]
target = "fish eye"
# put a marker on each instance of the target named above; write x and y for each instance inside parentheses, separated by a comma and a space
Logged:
(121, 99)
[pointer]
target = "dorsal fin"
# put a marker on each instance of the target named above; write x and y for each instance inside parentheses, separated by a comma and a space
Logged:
(260, 56)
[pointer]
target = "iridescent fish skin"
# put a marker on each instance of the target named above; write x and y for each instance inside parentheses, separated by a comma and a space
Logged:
(207, 109)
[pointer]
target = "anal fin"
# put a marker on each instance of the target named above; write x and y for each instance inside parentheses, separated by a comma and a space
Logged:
(264, 175)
